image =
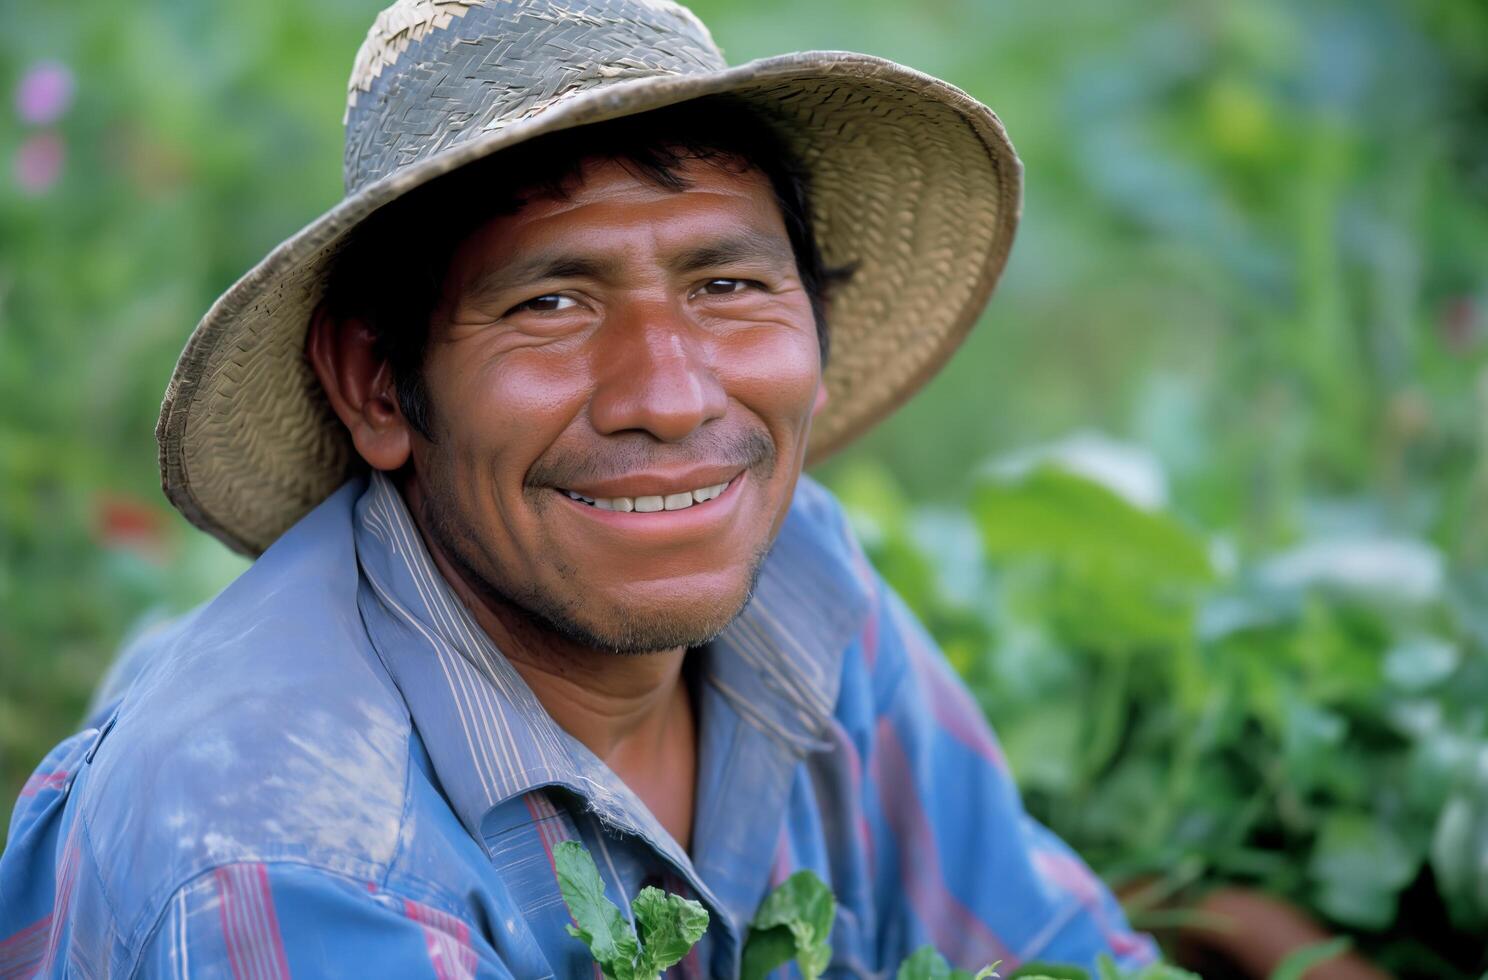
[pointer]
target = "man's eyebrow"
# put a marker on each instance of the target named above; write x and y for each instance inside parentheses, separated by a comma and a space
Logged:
(546, 265)
(740, 246)
(537, 267)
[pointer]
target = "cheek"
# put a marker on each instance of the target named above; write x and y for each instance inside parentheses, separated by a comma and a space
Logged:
(504, 410)
(775, 373)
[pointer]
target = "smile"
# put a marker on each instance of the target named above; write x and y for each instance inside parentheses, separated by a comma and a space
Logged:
(652, 503)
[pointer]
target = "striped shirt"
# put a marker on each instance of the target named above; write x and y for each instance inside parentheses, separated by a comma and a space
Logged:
(330, 770)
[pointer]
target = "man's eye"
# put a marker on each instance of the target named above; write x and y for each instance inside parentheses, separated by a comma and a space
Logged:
(722, 287)
(549, 303)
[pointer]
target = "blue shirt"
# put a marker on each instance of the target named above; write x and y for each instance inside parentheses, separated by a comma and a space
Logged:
(329, 770)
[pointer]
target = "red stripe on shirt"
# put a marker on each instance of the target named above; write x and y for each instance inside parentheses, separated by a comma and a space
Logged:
(868, 638)
(1075, 878)
(848, 752)
(250, 927)
(782, 866)
(447, 939)
(535, 806)
(44, 780)
(62, 900)
(954, 929)
(950, 704)
(22, 951)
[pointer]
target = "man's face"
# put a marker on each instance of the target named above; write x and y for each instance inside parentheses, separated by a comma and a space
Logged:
(640, 348)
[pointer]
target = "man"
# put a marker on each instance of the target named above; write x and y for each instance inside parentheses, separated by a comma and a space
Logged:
(518, 429)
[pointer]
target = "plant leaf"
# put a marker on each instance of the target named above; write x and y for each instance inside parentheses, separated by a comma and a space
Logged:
(1040, 970)
(1108, 969)
(804, 906)
(802, 899)
(764, 950)
(924, 964)
(599, 923)
(1162, 971)
(669, 926)
(1054, 513)
(1299, 961)
(1359, 865)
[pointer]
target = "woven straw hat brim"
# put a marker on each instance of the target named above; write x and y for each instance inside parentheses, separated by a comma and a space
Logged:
(914, 181)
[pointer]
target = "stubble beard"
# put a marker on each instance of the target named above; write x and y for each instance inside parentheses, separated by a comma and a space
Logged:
(542, 611)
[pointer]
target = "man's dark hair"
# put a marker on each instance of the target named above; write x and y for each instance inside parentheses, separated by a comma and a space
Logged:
(391, 272)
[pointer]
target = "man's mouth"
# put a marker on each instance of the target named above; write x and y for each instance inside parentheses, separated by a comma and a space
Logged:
(652, 503)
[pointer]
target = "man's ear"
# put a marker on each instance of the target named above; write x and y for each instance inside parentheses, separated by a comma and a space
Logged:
(821, 399)
(360, 386)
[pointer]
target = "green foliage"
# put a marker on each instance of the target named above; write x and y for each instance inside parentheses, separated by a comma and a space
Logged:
(1039, 970)
(669, 925)
(1287, 721)
(1108, 970)
(1052, 514)
(926, 963)
(1459, 848)
(598, 922)
(794, 921)
(1296, 965)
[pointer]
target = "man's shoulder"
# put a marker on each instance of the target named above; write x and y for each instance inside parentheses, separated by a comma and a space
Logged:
(823, 538)
(892, 644)
(263, 730)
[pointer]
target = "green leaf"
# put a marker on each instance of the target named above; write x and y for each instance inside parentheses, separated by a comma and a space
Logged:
(764, 950)
(804, 907)
(1161, 971)
(1359, 866)
(1420, 662)
(1039, 970)
(924, 964)
(669, 926)
(599, 923)
(802, 900)
(1459, 852)
(1107, 969)
(1299, 961)
(1055, 514)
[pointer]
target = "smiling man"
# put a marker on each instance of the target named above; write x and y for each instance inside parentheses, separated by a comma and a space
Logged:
(517, 430)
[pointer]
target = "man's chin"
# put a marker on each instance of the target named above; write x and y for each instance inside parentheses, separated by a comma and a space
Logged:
(651, 630)
(656, 616)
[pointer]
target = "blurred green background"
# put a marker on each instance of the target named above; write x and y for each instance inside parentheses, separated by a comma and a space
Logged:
(1198, 510)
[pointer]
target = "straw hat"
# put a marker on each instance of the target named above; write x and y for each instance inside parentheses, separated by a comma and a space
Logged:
(913, 180)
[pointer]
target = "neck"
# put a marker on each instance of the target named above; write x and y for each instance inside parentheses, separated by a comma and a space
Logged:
(626, 708)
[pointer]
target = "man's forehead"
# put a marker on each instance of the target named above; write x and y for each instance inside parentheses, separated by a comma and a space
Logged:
(718, 215)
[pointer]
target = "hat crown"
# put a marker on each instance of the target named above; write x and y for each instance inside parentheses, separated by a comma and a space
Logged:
(435, 73)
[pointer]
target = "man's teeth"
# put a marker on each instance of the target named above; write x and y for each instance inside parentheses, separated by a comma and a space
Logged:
(652, 504)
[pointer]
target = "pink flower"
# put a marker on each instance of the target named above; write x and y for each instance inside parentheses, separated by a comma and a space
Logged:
(44, 93)
(38, 162)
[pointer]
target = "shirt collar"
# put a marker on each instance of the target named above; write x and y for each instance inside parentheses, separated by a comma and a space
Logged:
(779, 663)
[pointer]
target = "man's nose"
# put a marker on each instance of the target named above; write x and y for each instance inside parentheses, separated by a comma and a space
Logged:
(654, 374)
